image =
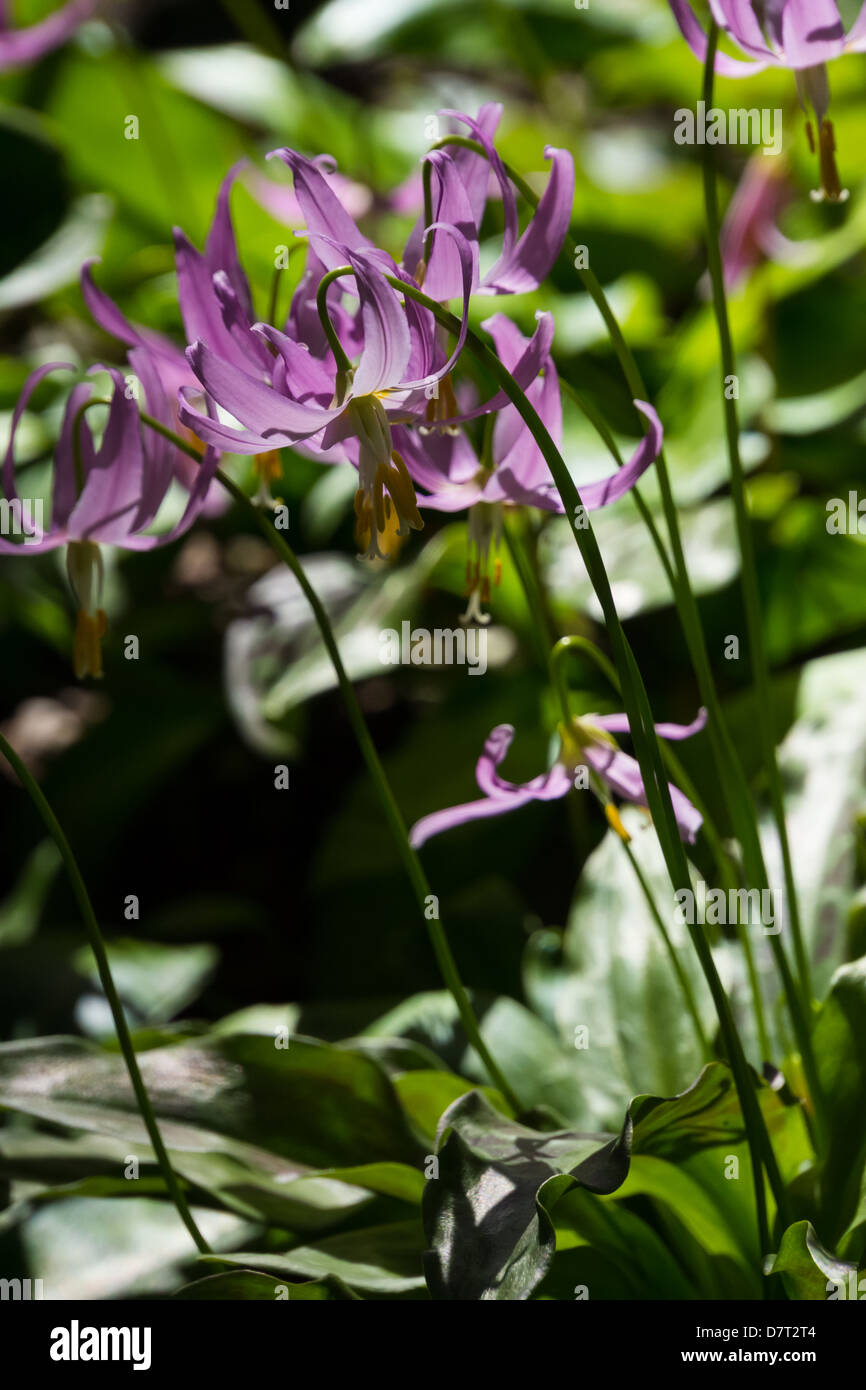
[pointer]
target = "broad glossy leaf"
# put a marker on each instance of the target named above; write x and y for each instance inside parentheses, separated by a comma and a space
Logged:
(840, 1049)
(487, 1214)
(249, 1285)
(808, 1270)
(608, 988)
(375, 1259)
(490, 1214)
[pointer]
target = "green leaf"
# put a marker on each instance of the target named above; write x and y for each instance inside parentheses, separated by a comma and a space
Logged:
(840, 1049)
(21, 909)
(490, 1220)
(376, 1259)
(299, 1137)
(611, 979)
(249, 1285)
(487, 1214)
(808, 1270)
(158, 981)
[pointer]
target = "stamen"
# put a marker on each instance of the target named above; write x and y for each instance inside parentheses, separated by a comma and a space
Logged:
(441, 407)
(269, 468)
(474, 612)
(87, 648)
(831, 185)
(615, 821)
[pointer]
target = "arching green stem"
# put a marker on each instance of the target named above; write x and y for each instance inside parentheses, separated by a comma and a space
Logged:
(97, 945)
(642, 730)
(425, 899)
(749, 572)
(732, 778)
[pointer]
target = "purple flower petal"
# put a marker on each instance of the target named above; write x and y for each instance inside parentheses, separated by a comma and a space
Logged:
(600, 494)
(532, 259)
(111, 497)
(524, 371)
(322, 209)
(618, 724)
(436, 461)
(33, 380)
(444, 276)
(514, 448)
(159, 452)
(200, 309)
(221, 250)
(387, 345)
(468, 259)
(697, 42)
(481, 132)
(473, 168)
(221, 436)
(273, 417)
(506, 486)
(19, 47)
(622, 774)
(812, 33)
(502, 796)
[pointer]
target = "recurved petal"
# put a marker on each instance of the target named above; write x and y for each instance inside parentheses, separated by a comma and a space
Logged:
(622, 774)
(607, 490)
(256, 405)
(221, 249)
(618, 724)
(697, 41)
(19, 47)
(387, 345)
(323, 212)
(33, 380)
(443, 273)
(501, 796)
(812, 32)
(532, 258)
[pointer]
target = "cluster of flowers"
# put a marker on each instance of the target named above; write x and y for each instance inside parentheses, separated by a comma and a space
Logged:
(359, 373)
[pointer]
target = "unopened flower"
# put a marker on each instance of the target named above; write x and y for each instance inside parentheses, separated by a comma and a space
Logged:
(587, 743)
(223, 318)
(803, 35)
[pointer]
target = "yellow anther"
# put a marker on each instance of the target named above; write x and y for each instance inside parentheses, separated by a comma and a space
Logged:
(268, 466)
(614, 820)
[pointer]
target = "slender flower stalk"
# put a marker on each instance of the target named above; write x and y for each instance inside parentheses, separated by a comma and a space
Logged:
(97, 945)
(681, 778)
(732, 778)
(751, 594)
(649, 758)
(683, 980)
(537, 608)
(393, 816)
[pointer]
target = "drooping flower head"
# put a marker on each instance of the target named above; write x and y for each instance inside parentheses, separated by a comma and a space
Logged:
(588, 743)
(803, 35)
(107, 493)
(19, 47)
(202, 316)
(296, 397)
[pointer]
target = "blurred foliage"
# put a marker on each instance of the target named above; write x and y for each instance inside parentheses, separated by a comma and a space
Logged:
(305, 1166)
